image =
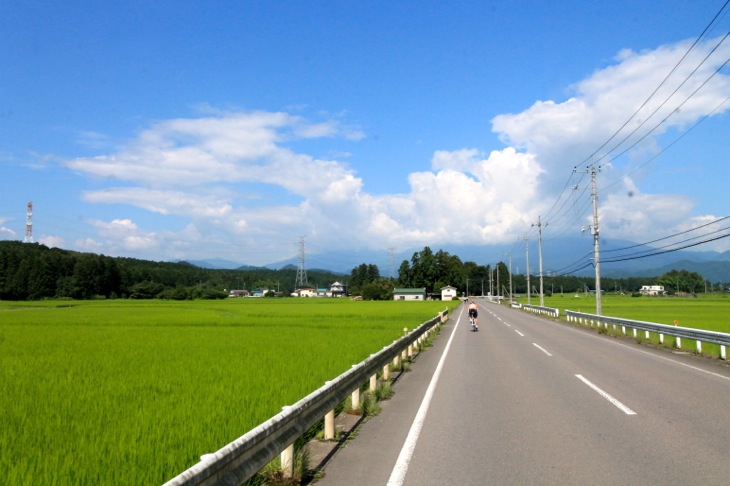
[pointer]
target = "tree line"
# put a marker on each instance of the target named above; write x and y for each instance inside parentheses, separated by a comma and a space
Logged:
(434, 271)
(32, 271)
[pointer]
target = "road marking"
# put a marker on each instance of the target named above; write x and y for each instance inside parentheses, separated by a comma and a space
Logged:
(541, 349)
(608, 397)
(398, 475)
(654, 355)
(518, 332)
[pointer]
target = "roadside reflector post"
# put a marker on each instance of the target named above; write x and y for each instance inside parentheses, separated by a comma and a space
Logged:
(661, 338)
(699, 347)
(723, 352)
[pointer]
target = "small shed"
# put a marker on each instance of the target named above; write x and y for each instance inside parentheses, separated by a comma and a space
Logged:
(409, 294)
(448, 292)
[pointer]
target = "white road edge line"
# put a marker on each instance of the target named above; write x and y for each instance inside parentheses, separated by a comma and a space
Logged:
(608, 397)
(541, 349)
(398, 475)
(518, 332)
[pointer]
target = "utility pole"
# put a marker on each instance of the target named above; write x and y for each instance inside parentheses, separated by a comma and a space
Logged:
(391, 258)
(499, 289)
(595, 231)
(510, 277)
(596, 239)
(527, 265)
(539, 249)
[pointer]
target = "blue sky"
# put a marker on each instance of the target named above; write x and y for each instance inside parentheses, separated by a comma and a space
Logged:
(191, 130)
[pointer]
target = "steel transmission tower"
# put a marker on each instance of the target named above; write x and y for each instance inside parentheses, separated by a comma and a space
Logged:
(301, 271)
(29, 224)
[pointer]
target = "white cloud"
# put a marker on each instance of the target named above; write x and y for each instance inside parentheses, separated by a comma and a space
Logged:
(5, 232)
(563, 134)
(210, 171)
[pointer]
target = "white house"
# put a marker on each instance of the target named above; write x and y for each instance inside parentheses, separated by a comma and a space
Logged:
(652, 290)
(305, 292)
(409, 294)
(448, 292)
(337, 289)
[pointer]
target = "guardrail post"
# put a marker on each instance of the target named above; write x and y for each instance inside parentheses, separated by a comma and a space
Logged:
(287, 461)
(287, 456)
(699, 347)
(396, 361)
(386, 373)
(373, 382)
(356, 399)
(329, 425)
(410, 350)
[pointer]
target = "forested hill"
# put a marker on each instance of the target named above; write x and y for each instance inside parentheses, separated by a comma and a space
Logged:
(31, 271)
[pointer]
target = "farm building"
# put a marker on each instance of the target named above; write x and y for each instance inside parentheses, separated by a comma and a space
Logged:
(409, 294)
(652, 290)
(448, 292)
(305, 292)
(337, 289)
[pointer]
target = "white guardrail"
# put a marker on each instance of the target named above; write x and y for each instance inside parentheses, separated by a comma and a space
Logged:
(720, 338)
(536, 309)
(243, 458)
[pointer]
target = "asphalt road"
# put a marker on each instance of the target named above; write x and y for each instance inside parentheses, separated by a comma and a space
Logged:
(530, 401)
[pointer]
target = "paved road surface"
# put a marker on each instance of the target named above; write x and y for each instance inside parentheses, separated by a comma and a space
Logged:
(530, 401)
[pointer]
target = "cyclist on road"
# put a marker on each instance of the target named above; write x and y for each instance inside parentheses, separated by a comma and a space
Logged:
(473, 314)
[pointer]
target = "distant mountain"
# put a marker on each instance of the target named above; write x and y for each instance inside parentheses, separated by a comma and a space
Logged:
(559, 255)
(219, 264)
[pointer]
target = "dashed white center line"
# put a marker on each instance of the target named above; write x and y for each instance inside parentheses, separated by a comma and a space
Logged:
(608, 397)
(541, 349)
(518, 332)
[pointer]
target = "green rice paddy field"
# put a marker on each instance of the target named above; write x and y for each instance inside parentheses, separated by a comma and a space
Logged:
(133, 392)
(707, 311)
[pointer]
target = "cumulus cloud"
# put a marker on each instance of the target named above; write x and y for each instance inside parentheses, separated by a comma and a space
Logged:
(243, 189)
(610, 114)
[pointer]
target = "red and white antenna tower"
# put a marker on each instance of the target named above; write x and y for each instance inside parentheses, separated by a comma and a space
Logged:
(29, 224)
